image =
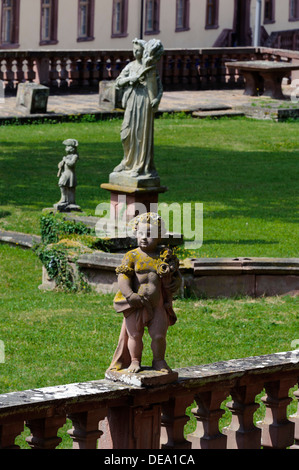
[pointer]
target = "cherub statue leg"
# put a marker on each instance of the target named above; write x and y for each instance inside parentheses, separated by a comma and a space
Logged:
(158, 331)
(135, 343)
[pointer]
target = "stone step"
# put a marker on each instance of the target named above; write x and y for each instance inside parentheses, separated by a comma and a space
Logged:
(217, 114)
(19, 239)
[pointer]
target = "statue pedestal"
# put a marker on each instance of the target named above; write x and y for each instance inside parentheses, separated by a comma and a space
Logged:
(147, 377)
(66, 207)
(127, 201)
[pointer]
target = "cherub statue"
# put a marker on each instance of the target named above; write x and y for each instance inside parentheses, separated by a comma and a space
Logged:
(67, 176)
(147, 278)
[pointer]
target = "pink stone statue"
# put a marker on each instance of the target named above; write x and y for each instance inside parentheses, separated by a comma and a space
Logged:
(147, 279)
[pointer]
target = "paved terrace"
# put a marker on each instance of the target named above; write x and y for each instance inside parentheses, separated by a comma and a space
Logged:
(202, 103)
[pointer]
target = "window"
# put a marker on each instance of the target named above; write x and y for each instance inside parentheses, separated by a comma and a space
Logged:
(10, 23)
(119, 18)
(86, 20)
(152, 16)
(212, 14)
(294, 10)
(269, 16)
(182, 15)
(49, 15)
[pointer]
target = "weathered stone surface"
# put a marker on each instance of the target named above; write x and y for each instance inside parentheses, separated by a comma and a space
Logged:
(109, 96)
(218, 371)
(32, 98)
(99, 389)
(124, 179)
(187, 377)
(19, 239)
(222, 285)
(147, 377)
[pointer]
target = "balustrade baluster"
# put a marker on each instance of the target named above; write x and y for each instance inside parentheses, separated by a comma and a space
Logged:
(242, 433)
(9, 74)
(295, 419)
(94, 72)
(18, 72)
(177, 71)
(99, 68)
(107, 72)
(194, 76)
(168, 71)
(30, 71)
(73, 72)
(44, 432)
(8, 434)
(173, 422)
(184, 78)
(39, 69)
(277, 430)
(205, 71)
(85, 431)
(63, 73)
(2, 69)
(207, 414)
(53, 73)
(132, 427)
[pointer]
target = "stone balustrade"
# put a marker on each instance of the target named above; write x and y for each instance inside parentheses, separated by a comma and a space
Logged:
(115, 415)
(180, 69)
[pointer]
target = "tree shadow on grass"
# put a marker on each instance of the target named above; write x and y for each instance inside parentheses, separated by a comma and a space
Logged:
(260, 185)
(4, 213)
(241, 242)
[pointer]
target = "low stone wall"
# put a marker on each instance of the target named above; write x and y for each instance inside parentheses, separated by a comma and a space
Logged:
(203, 277)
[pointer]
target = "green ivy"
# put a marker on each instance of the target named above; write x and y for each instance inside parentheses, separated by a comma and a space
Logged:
(54, 227)
(56, 253)
(56, 260)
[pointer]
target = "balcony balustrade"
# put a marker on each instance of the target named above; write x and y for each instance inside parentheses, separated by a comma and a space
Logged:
(180, 69)
(114, 415)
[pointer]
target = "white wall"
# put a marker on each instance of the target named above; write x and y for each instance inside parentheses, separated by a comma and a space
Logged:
(197, 36)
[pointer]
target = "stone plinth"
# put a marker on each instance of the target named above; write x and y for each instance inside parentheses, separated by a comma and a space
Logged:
(123, 178)
(127, 198)
(147, 377)
(32, 98)
(66, 207)
(109, 96)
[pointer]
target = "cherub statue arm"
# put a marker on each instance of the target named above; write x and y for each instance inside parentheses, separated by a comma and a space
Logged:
(125, 286)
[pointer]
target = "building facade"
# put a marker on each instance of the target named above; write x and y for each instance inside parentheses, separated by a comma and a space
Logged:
(113, 24)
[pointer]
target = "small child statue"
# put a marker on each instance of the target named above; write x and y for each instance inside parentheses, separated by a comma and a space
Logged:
(67, 177)
(147, 279)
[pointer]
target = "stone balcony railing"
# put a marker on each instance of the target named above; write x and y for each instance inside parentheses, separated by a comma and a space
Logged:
(180, 69)
(113, 415)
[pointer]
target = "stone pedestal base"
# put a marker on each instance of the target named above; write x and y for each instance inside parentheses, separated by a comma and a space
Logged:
(127, 201)
(64, 207)
(147, 377)
(32, 98)
(124, 178)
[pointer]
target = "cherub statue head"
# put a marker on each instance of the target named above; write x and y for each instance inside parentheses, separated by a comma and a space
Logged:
(148, 228)
(70, 145)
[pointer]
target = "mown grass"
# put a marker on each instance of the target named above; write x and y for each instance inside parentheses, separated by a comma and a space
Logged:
(245, 173)
(53, 338)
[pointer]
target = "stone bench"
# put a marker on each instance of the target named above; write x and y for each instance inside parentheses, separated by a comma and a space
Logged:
(263, 77)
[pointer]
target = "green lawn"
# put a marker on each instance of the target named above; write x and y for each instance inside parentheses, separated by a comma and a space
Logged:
(245, 172)
(54, 338)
